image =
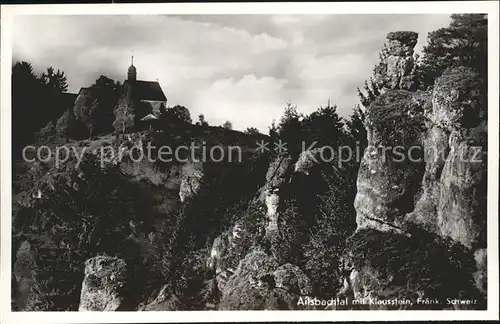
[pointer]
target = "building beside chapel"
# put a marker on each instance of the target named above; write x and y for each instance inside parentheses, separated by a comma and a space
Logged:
(138, 99)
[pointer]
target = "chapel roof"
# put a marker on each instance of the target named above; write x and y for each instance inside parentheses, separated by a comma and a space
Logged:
(147, 90)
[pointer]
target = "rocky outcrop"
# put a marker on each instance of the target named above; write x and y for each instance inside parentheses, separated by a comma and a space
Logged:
(480, 276)
(278, 175)
(104, 284)
(84, 103)
(453, 202)
(458, 100)
(436, 149)
(23, 273)
(442, 189)
(218, 250)
(217, 261)
(260, 284)
(308, 160)
(291, 279)
(397, 71)
(388, 174)
(191, 180)
(438, 198)
(162, 302)
(459, 106)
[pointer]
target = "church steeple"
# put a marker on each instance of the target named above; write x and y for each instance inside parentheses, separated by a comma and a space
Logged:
(132, 71)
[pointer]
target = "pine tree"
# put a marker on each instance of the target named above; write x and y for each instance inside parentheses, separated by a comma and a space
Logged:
(372, 87)
(463, 43)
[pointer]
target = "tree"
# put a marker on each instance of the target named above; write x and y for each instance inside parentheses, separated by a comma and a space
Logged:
(273, 131)
(106, 92)
(36, 100)
(26, 118)
(372, 91)
(181, 113)
(335, 222)
(124, 110)
(290, 129)
(324, 126)
(46, 132)
(371, 87)
(67, 125)
(201, 121)
(252, 131)
(227, 125)
(463, 43)
(357, 135)
(53, 85)
(94, 107)
(54, 80)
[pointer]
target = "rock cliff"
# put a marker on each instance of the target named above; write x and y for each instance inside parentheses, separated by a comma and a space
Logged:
(104, 284)
(397, 71)
(433, 189)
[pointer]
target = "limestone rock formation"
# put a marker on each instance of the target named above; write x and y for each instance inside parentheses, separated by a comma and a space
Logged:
(480, 276)
(397, 71)
(459, 106)
(220, 251)
(442, 190)
(435, 142)
(401, 43)
(104, 284)
(259, 284)
(462, 204)
(453, 202)
(278, 175)
(458, 99)
(438, 198)
(162, 302)
(387, 180)
(292, 279)
(310, 158)
(219, 248)
(191, 181)
(278, 172)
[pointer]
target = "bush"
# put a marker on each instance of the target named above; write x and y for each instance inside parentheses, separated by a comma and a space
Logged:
(96, 212)
(227, 125)
(335, 222)
(423, 263)
(252, 131)
(288, 245)
(47, 132)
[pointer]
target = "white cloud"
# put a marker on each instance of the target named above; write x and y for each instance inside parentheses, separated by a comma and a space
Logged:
(242, 68)
(244, 102)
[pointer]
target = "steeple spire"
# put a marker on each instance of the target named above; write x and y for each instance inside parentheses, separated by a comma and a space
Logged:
(132, 71)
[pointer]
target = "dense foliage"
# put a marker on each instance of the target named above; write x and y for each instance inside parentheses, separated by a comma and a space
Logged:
(45, 102)
(463, 43)
(93, 211)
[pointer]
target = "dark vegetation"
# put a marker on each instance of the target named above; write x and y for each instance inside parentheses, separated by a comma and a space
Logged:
(421, 264)
(97, 214)
(45, 90)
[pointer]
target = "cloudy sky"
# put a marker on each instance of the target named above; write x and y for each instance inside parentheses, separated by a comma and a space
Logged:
(242, 68)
